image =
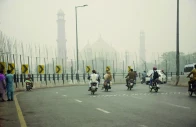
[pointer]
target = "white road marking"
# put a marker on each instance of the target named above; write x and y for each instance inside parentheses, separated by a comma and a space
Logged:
(179, 106)
(142, 126)
(136, 97)
(78, 100)
(64, 95)
(57, 92)
(102, 110)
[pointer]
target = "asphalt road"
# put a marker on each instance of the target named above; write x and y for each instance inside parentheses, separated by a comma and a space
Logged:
(76, 107)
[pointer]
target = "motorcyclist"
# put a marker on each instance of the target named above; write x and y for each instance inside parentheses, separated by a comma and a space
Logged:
(154, 76)
(192, 80)
(130, 76)
(29, 80)
(135, 77)
(93, 79)
(144, 76)
(107, 79)
(98, 78)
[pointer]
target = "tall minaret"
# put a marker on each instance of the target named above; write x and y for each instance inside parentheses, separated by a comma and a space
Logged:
(142, 47)
(61, 41)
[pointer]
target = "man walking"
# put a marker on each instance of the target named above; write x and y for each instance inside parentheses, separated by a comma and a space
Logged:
(10, 87)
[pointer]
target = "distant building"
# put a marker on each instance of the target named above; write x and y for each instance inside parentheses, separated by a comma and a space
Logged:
(99, 55)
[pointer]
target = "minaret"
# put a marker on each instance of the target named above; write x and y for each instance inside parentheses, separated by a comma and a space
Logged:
(142, 47)
(61, 41)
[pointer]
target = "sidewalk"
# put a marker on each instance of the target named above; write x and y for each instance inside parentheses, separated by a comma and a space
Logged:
(8, 114)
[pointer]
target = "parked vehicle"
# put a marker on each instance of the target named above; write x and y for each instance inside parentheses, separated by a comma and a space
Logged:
(162, 77)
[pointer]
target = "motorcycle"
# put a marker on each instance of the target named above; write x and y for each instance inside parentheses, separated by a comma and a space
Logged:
(107, 86)
(93, 88)
(154, 86)
(28, 86)
(143, 80)
(192, 88)
(130, 84)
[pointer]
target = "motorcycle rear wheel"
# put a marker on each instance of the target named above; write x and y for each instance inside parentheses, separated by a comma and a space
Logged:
(190, 93)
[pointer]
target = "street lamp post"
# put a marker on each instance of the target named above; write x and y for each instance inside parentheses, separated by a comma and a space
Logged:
(77, 36)
(177, 46)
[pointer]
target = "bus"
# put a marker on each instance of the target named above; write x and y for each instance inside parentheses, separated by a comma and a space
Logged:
(188, 68)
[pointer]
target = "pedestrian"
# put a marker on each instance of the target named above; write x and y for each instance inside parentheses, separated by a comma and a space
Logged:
(10, 85)
(2, 86)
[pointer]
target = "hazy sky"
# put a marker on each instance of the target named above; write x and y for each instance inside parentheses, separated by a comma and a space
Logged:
(117, 21)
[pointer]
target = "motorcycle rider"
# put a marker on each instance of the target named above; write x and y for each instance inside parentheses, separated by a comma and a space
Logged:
(144, 76)
(29, 80)
(130, 76)
(93, 79)
(154, 76)
(98, 78)
(107, 79)
(192, 80)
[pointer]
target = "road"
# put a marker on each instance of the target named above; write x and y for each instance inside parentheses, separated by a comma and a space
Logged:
(76, 107)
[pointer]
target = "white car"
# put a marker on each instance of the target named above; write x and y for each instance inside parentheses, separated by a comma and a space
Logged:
(162, 77)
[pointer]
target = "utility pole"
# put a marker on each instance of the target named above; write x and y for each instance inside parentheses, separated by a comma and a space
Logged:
(77, 61)
(155, 63)
(166, 70)
(134, 65)
(177, 47)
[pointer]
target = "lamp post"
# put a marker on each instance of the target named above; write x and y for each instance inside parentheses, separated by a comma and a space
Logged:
(177, 46)
(77, 36)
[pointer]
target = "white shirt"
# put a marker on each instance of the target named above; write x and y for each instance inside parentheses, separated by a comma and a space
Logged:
(94, 77)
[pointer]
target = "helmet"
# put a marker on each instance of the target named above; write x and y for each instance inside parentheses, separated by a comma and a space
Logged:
(93, 71)
(29, 75)
(154, 68)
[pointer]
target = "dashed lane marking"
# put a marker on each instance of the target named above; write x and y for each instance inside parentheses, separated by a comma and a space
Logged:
(136, 97)
(179, 106)
(78, 100)
(102, 110)
(142, 126)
